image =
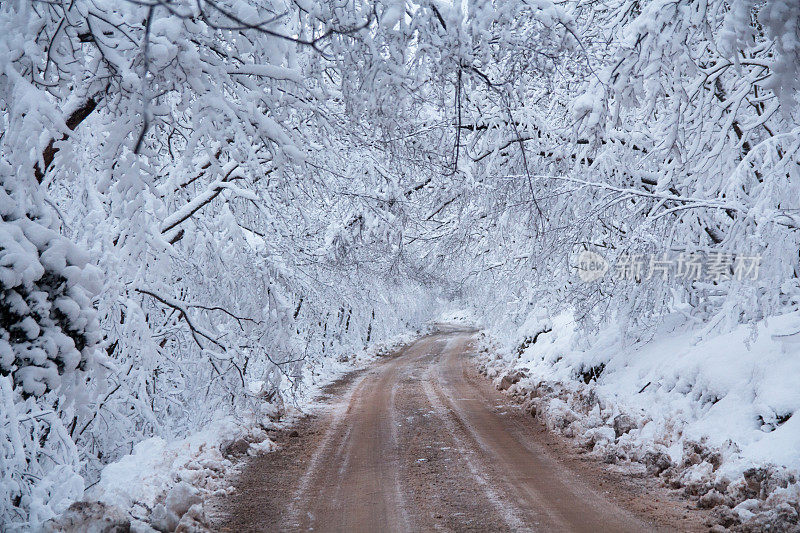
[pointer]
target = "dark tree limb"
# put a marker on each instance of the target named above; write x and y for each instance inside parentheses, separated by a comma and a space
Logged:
(180, 308)
(73, 121)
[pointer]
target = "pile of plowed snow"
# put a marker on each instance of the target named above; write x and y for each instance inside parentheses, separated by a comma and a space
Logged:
(713, 415)
(163, 485)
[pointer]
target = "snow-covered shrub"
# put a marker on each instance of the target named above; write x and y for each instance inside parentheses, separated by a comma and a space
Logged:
(48, 339)
(48, 327)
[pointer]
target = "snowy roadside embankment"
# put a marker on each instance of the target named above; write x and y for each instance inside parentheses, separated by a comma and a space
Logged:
(713, 415)
(166, 485)
(163, 485)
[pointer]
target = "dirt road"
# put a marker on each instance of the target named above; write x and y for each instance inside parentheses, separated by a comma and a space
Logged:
(421, 442)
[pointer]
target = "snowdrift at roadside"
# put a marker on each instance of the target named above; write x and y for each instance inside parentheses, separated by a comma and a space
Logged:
(714, 415)
(163, 484)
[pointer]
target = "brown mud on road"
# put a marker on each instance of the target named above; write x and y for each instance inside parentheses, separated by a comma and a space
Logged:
(421, 442)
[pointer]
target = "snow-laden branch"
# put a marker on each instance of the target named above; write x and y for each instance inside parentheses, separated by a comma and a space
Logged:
(179, 306)
(782, 217)
(230, 170)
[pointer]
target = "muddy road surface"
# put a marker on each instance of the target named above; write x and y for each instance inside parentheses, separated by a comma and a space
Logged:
(421, 442)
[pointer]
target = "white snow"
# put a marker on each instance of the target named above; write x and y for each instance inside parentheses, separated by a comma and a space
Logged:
(160, 480)
(459, 317)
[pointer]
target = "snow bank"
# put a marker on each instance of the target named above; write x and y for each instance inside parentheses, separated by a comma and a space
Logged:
(713, 415)
(163, 484)
(161, 480)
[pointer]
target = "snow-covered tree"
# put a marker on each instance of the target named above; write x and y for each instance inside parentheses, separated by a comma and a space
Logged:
(201, 195)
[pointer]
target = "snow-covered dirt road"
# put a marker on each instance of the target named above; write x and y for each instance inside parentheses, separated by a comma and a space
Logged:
(422, 442)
